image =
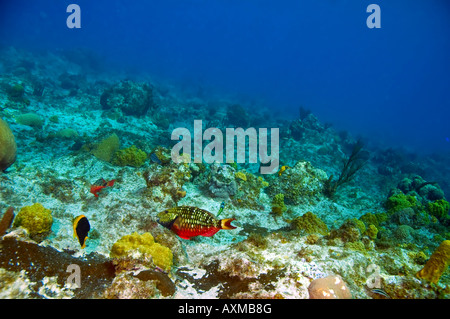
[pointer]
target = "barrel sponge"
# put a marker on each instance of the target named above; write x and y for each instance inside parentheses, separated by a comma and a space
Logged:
(8, 147)
(437, 264)
(144, 244)
(35, 218)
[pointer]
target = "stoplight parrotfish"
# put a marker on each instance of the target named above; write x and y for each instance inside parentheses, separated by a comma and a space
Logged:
(81, 229)
(99, 185)
(189, 221)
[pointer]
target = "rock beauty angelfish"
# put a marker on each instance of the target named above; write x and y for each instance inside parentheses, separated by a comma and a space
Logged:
(81, 229)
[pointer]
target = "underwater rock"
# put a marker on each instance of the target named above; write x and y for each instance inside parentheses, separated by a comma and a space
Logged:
(330, 287)
(222, 183)
(39, 262)
(126, 286)
(130, 97)
(8, 147)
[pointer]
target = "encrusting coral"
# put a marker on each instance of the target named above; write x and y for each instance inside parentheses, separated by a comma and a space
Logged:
(437, 264)
(131, 156)
(400, 201)
(145, 245)
(310, 223)
(35, 218)
(8, 147)
(439, 208)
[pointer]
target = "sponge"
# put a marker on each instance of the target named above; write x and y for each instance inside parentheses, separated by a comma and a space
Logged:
(8, 147)
(437, 264)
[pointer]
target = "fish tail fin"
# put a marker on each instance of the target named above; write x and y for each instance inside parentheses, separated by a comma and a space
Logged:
(111, 183)
(226, 223)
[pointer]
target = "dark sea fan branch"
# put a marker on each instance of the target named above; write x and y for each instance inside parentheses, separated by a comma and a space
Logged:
(353, 164)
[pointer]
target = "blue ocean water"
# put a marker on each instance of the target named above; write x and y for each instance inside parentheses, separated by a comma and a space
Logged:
(390, 83)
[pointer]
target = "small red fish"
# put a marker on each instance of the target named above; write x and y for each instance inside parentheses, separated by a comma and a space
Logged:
(188, 221)
(100, 185)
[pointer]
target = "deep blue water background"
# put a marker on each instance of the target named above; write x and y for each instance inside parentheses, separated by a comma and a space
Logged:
(391, 83)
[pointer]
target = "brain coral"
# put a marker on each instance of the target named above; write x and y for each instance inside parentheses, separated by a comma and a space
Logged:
(35, 218)
(8, 147)
(145, 245)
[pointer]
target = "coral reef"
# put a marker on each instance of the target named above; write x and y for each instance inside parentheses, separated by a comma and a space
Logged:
(248, 190)
(167, 181)
(290, 229)
(8, 147)
(302, 183)
(130, 97)
(36, 219)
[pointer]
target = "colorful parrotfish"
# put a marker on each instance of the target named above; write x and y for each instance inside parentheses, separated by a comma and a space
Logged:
(99, 185)
(189, 221)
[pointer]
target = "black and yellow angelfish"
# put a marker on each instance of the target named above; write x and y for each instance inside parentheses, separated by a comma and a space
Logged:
(81, 229)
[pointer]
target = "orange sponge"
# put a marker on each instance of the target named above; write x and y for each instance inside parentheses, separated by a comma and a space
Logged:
(437, 264)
